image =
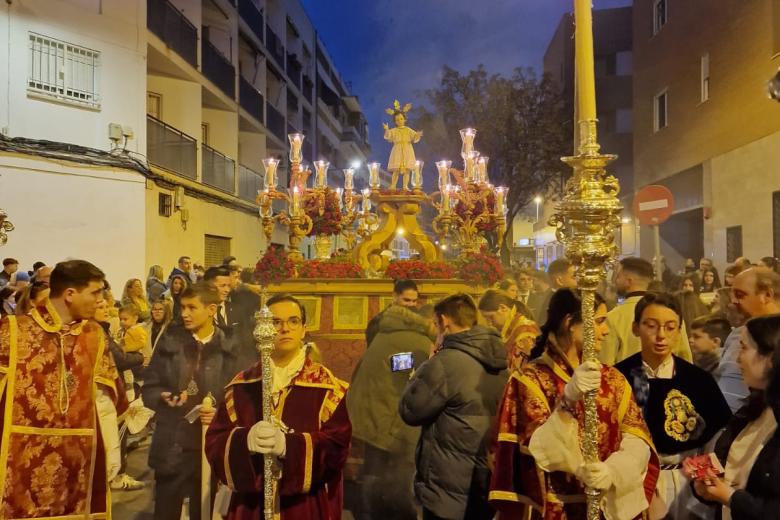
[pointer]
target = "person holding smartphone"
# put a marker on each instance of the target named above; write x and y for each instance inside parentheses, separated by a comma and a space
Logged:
(402, 342)
(454, 397)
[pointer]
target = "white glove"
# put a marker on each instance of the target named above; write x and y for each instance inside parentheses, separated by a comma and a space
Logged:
(266, 438)
(586, 377)
(596, 475)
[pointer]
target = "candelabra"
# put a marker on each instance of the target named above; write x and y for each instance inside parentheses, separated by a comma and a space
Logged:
(472, 205)
(365, 219)
(5, 227)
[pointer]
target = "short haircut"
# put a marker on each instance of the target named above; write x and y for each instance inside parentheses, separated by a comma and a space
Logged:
(766, 280)
(558, 267)
(493, 298)
(131, 309)
(638, 266)
(183, 258)
(10, 261)
(213, 272)
(402, 285)
(656, 298)
(228, 259)
(714, 326)
(38, 265)
(459, 307)
(733, 270)
(73, 274)
(205, 292)
(504, 285)
(284, 297)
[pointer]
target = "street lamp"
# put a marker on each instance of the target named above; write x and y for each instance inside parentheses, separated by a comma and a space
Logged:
(538, 201)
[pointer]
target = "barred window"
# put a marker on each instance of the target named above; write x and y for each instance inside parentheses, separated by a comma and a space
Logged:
(63, 71)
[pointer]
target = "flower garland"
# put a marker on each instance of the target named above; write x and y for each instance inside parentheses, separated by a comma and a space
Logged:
(418, 269)
(481, 268)
(275, 266)
(330, 269)
(329, 223)
(479, 207)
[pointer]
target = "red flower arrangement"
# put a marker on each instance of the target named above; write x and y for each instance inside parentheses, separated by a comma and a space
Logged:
(330, 269)
(275, 266)
(418, 269)
(329, 223)
(482, 268)
(479, 207)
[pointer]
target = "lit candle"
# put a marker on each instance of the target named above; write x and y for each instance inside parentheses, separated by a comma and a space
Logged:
(467, 135)
(583, 59)
(296, 202)
(500, 208)
(366, 200)
(417, 175)
(471, 159)
(348, 174)
(339, 193)
(296, 142)
(321, 179)
(482, 164)
(444, 173)
(270, 165)
(373, 175)
(445, 200)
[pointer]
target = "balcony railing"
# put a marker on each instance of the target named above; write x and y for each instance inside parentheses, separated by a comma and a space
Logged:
(171, 149)
(219, 170)
(274, 46)
(218, 69)
(292, 102)
(275, 122)
(252, 16)
(308, 89)
(294, 70)
(249, 183)
(350, 133)
(250, 99)
(172, 27)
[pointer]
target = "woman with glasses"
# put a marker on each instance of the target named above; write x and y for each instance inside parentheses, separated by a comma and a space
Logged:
(682, 404)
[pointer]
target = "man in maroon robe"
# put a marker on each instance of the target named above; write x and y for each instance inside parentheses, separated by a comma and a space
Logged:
(309, 439)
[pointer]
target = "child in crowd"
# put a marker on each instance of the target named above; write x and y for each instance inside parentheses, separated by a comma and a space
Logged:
(133, 339)
(708, 333)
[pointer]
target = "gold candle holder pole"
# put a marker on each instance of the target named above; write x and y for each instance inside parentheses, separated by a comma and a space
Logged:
(264, 334)
(586, 219)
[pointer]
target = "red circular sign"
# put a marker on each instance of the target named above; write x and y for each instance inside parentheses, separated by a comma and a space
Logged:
(653, 205)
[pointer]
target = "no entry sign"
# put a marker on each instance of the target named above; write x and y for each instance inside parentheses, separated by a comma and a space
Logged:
(653, 205)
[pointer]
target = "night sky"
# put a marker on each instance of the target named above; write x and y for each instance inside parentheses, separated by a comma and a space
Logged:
(396, 49)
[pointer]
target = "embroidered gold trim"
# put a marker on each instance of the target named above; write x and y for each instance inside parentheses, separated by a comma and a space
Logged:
(534, 389)
(682, 421)
(308, 462)
(9, 403)
(226, 461)
(508, 437)
(91, 516)
(71, 432)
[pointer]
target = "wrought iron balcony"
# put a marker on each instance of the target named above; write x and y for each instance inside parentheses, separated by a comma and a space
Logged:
(275, 122)
(219, 171)
(173, 28)
(251, 99)
(249, 183)
(252, 16)
(170, 148)
(274, 45)
(218, 69)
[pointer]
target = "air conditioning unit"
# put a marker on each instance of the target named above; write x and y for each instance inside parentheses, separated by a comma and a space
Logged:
(178, 197)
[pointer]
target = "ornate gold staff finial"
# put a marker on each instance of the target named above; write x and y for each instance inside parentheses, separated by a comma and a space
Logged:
(264, 334)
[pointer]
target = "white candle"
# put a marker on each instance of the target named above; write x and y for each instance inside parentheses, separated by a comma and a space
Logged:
(296, 142)
(321, 167)
(366, 200)
(417, 174)
(270, 164)
(471, 159)
(500, 208)
(348, 174)
(482, 165)
(467, 135)
(296, 202)
(373, 175)
(443, 167)
(445, 200)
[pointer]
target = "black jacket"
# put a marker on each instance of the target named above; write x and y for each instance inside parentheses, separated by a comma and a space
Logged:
(172, 367)
(454, 397)
(240, 309)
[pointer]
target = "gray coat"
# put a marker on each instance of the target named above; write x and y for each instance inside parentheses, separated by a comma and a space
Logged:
(454, 397)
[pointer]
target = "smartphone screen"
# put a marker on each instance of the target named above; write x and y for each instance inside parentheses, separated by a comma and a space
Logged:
(401, 361)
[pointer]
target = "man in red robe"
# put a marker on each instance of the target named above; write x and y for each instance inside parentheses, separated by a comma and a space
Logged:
(309, 439)
(53, 365)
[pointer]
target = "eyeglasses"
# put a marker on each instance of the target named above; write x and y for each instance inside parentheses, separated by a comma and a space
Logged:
(653, 326)
(292, 323)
